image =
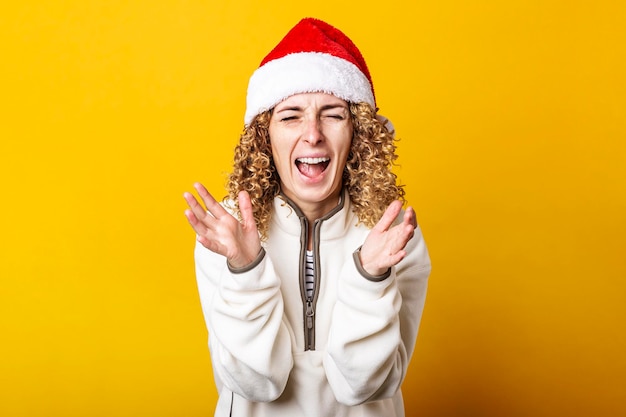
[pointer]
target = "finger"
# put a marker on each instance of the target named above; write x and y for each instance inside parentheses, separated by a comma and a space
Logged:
(196, 208)
(209, 244)
(389, 216)
(190, 199)
(245, 207)
(398, 238)
(409, 217)
(401, 235)
(211, 204)
(197, 225)
(397, 257)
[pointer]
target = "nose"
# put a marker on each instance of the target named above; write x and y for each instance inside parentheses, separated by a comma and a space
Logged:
(312, 131)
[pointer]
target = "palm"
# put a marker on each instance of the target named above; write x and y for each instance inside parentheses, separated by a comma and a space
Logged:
(220, 232)
(384, 246)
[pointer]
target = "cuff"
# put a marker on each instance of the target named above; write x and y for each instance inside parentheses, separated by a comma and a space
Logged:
(250, 266)
(359, 266)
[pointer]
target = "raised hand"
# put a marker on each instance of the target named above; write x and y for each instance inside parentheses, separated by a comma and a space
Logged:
(220, 232)
(384, 246)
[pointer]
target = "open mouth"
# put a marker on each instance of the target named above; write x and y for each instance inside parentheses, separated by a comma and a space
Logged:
(312, 167)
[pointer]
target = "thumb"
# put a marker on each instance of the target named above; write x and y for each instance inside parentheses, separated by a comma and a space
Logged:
(245, 207)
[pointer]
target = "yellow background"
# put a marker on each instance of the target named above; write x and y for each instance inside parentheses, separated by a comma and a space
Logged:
(512, 123)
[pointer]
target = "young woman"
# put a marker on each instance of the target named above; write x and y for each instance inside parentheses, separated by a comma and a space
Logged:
(312, 277)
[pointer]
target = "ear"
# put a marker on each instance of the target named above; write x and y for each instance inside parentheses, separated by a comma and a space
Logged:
(387, 123)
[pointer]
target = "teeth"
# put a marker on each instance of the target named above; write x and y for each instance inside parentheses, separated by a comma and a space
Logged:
(312, 161)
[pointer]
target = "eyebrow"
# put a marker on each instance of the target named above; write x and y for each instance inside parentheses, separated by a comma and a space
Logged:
(326, 107)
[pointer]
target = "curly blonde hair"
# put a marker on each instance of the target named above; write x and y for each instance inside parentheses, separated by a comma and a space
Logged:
(371, 184)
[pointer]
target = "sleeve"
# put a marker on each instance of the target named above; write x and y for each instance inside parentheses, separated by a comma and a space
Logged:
(249, 340)
(374, 327)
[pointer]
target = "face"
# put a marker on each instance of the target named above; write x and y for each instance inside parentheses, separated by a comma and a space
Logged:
(310, 135)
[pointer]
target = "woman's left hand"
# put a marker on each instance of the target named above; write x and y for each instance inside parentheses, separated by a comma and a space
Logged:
(384, 246)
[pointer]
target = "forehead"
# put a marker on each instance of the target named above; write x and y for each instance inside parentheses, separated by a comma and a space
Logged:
(303, 100)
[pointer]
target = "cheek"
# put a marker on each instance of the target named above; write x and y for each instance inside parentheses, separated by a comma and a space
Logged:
(281, 157)
(345, 147)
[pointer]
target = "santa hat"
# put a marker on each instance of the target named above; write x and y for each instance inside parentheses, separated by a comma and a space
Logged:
(313, 57)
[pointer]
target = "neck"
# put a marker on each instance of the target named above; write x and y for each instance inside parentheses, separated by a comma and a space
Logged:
(314, 211)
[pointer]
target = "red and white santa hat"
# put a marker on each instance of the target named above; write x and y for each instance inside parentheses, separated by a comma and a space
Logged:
(313, 57)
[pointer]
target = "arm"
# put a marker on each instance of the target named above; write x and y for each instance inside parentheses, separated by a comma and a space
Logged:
(241, 300)
(375, 321)
(248, 338)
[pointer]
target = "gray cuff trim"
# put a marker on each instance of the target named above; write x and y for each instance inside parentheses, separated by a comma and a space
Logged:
(250, 266)
(359, 266)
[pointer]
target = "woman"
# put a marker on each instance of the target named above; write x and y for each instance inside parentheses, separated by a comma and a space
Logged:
(311, 276)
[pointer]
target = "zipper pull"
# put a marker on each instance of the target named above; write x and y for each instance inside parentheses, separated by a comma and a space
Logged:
(309, 314)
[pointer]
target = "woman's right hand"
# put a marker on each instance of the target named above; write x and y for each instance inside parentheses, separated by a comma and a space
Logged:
(220, 232)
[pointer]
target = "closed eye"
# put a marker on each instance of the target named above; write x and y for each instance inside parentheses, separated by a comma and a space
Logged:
(334, 116)
(335, 112)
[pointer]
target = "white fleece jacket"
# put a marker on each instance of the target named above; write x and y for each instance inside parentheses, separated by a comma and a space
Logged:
(343, 353)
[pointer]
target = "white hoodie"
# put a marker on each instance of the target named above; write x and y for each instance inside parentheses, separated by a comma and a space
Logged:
(344, 352)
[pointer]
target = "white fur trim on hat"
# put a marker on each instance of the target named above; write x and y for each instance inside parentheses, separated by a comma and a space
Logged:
(305, 72)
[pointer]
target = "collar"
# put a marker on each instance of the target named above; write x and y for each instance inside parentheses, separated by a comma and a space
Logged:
(290, 219)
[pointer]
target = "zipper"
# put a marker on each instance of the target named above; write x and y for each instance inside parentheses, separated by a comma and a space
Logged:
(309, 302)
(309, 332)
